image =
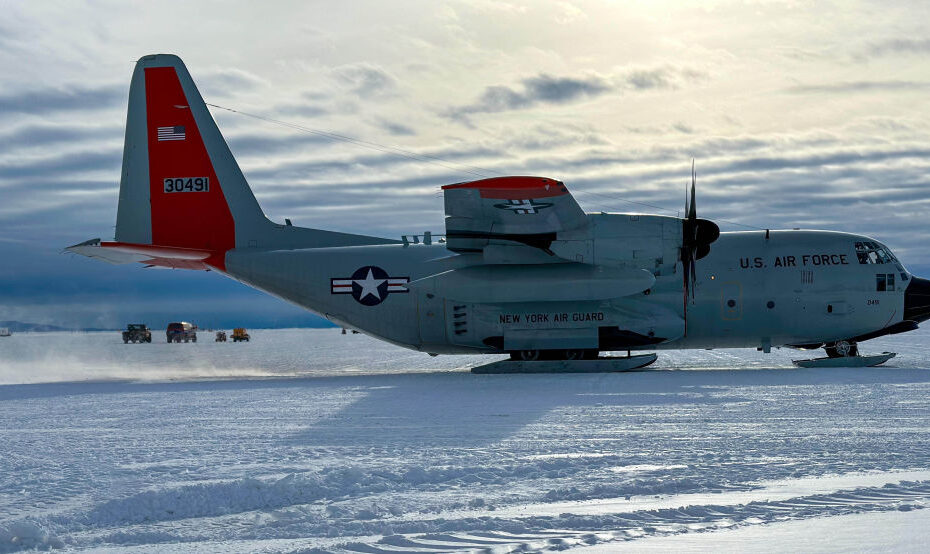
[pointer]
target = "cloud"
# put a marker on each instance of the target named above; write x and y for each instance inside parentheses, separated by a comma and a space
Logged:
(548, 89)
(860, 86)
(666, 77)
(252, 144)
(541, 89)
(228, 82)
(567, 13)
(559, 90)
(454, 159)
(308, 111)
(548, 137)
(70, 163)
(367, 81)
(899, 46)
(37, 136)
(396, 129)
(71, 98)
(644, 80)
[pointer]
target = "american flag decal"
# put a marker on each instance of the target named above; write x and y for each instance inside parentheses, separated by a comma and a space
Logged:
(171, 133)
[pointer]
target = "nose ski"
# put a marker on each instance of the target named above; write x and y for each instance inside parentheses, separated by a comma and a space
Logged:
(846, 361)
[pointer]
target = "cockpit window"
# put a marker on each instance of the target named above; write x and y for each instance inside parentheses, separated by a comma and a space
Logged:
(870, 252)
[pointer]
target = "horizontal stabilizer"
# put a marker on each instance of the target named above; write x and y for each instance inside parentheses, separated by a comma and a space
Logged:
(535, 283)
(158, 256)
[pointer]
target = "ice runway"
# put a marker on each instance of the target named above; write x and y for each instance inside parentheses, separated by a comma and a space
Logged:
(308, 439)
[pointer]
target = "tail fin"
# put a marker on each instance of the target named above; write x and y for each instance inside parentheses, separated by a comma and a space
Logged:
(180, 185)
(182, 192)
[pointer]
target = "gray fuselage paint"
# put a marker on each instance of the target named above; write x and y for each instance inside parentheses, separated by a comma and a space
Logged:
(795, 287)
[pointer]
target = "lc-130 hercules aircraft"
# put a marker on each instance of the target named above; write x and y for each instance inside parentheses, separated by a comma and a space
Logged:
(523, 269)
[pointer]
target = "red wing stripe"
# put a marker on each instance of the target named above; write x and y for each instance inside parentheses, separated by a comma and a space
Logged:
(512, 182)
(514, 188)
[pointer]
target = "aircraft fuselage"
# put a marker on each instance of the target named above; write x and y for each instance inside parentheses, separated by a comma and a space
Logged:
(754, 289)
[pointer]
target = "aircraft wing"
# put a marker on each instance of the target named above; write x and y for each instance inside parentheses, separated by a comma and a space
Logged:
(527, 210)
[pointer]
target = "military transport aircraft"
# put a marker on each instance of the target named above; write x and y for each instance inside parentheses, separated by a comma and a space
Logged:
(523, 270)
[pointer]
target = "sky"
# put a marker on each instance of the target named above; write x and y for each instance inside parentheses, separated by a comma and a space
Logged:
(798, 114)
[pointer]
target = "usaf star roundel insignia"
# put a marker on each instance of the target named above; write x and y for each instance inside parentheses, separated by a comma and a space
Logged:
(523, 207)
(369, 285)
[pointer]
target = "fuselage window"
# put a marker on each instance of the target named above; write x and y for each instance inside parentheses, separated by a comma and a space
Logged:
(884, 282)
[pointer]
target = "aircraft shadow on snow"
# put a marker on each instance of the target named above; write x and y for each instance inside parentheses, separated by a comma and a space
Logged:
(461, 408)
(464, 409)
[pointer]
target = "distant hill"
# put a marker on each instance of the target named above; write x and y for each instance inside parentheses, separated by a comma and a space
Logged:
(23, 327)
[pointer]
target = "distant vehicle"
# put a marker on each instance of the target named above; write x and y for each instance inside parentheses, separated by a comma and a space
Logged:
(181, 331)
(221, 336)
(5, 332)
(240, 334)
(137, 332)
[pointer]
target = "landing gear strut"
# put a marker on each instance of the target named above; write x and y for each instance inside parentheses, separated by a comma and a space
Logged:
(841, 349)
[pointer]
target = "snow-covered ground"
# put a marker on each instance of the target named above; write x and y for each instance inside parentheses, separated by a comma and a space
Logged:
(309, 440)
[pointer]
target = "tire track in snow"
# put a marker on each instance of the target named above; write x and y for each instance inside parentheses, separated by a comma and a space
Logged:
(483, 531)
(566, 530)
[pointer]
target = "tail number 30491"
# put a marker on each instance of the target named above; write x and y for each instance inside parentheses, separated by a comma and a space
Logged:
(187, 184)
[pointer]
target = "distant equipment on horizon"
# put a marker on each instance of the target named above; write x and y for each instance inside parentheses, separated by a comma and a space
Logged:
(5, 332)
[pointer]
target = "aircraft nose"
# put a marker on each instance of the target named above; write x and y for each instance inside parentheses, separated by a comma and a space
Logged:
(917, 300)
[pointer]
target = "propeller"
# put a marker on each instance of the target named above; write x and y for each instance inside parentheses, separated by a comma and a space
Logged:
(697, 236)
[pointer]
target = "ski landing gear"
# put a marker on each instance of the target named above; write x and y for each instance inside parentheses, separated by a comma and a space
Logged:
(565, 361)
(843, 353)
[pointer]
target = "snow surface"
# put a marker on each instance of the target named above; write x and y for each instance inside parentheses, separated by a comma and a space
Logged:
(309, 440)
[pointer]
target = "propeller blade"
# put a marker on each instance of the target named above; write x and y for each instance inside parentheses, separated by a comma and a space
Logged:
(697, 235)
(685, 264)
(693, 272)
(692, 208)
